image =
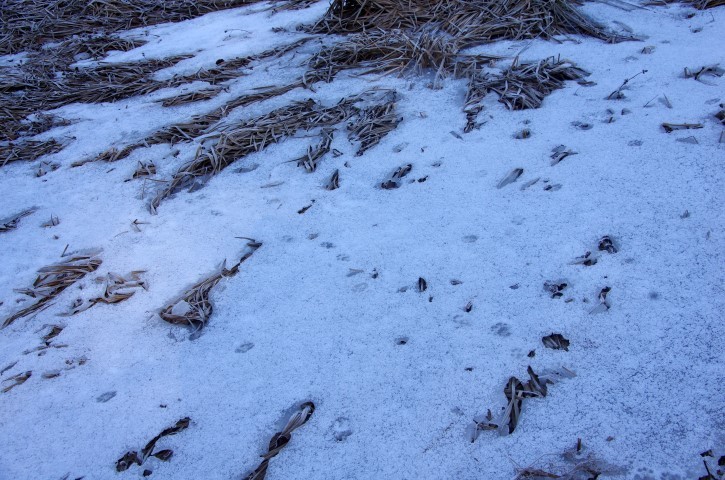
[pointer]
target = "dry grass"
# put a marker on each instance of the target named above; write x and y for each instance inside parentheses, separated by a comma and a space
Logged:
(52, 280)
(254, 135)
(132, 457)
(521, 86)
(27, 24)
(516, 392)
(17, 379)
(27, 150)
(203, 124)
(190, 97)
(374, 122)
(118, 289)
(393, 52)
(470, 22)
(280, 439)
(194, 308)
(314, 154)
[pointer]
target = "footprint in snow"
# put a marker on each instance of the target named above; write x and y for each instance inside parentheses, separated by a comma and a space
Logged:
(341, 429)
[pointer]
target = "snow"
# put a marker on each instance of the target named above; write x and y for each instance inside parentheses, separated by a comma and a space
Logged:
(296, 325)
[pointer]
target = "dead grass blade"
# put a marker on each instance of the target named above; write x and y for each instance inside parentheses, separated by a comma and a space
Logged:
(671, 127)
(314, 154)
(334, 182)
(280, 439)
(18, 379)
(132, 457)
(556, 341)
(194, 308)
(11, 223)
(52, 280)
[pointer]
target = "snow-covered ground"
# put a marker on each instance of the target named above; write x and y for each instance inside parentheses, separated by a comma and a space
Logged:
(329, 310)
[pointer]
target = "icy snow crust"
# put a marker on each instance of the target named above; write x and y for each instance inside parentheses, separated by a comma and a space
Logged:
(647, 397)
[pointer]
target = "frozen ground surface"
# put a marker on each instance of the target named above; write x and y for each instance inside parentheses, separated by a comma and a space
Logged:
(307, 319)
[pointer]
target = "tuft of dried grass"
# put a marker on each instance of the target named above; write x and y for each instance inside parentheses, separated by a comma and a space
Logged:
(523, 85)
(194, 308)
(374, 122)
(393, 52)
(314, 154)
(470, 22)
(27, 150)
(516, 392)
(52, 280)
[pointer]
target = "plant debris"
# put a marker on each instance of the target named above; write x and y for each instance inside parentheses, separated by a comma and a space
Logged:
(132, 457)
(708, 70)
(471, 23)
(194, 308)
(12, 222)
(671, 127)
(555, 289)
(515, 392)
(522, 85)
(18, 379)
(280, 439)
(52, 280)
(219, 150)
(510, 178)
(314, 154)
(118, 289)
(559, 153)
(556, 341)
(606, 244)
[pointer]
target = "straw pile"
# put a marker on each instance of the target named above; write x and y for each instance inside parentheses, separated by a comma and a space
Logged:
(469, 21)
(27, 24)
(393, 52)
